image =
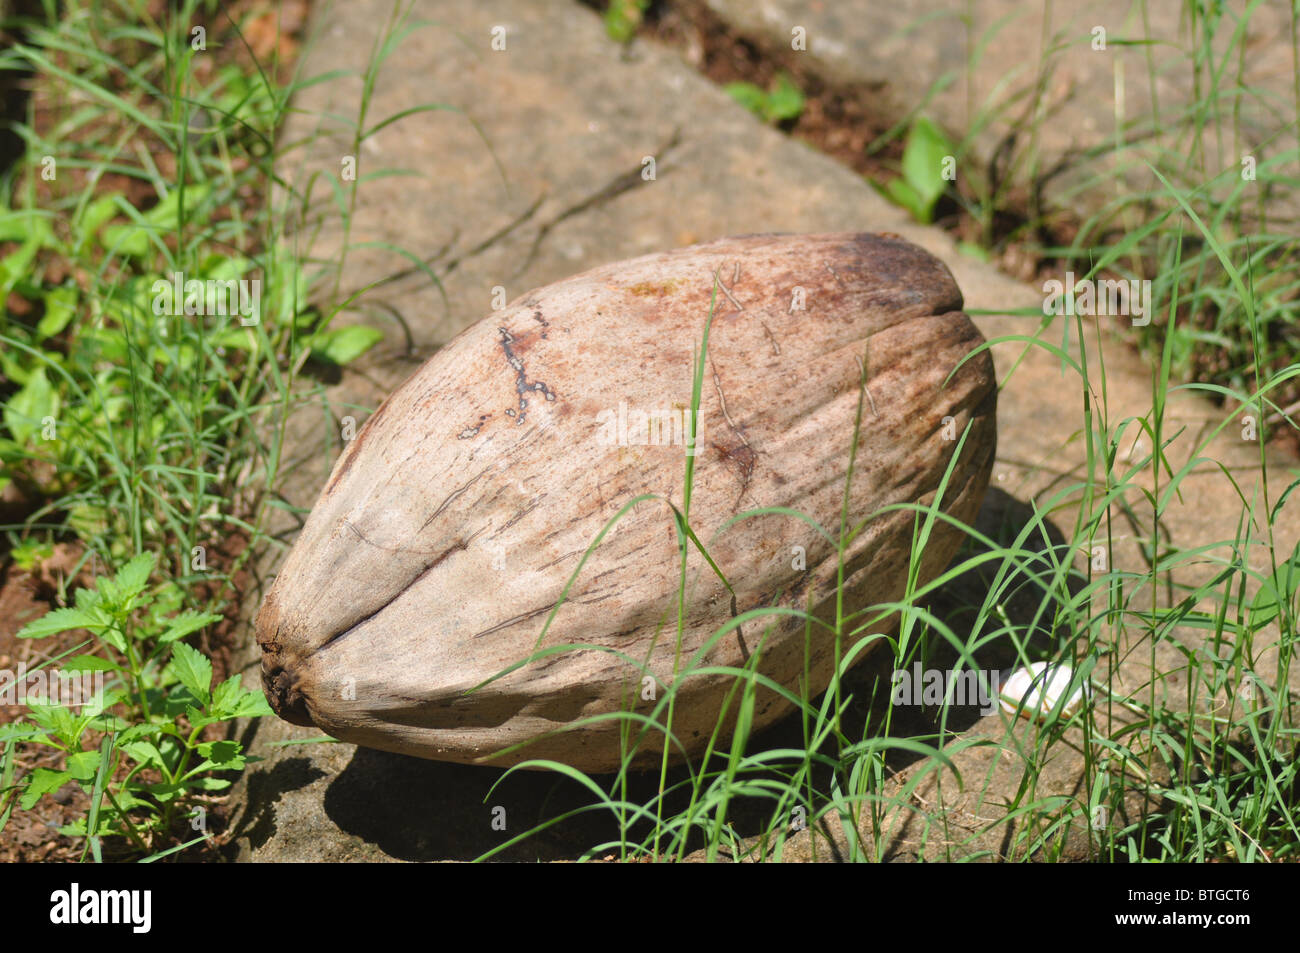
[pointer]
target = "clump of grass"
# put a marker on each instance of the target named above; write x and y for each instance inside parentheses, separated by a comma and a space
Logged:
(1116, 217)
(1208, 750)
(144, 421)
(140, 423)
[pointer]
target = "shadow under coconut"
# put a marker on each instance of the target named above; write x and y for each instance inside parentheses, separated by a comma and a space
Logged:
(419, 810)
(1031, 614)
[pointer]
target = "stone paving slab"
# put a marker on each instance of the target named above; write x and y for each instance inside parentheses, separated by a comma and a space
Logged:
(1044, 105)
(571, 119)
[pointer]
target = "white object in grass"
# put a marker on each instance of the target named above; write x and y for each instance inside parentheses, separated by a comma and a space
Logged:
(1039, 687)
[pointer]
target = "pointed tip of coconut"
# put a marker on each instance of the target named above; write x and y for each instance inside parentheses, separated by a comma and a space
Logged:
(281, 687)
(279, 679)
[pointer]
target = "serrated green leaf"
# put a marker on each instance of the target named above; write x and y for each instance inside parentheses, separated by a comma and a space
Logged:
(95, 708)
(63, 620)
(83, 765)
(88, 520)
(29, 553)
(209, 784)
(134, 576)
(40, 782)
(219, 751)
(86, 599)
(183, 623)
(56, 719)
(192, 669)
(18, 731)
(225, 697)
(219, 756)
(253, 705)
(90, 663)
(146, 753)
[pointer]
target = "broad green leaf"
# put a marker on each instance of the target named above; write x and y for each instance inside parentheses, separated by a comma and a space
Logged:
(345, 344)
(165, 791)
(923, 161)
(25, 410)
(106, 344)
(1276, 593)
(17, 265)
(785, 101)
(130, 240)
(289, 286)
(60, 306)
(900, 193)
(623, 17)
(165, 216)
(748, 95)
(99, 212)
(18, 371)
(227, 267)
(16, 226)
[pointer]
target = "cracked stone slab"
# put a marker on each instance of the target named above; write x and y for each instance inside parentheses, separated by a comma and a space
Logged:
(548, 180)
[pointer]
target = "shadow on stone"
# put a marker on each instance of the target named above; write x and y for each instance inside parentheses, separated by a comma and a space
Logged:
(265, 788)
(1030, 613)
(419, 810)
